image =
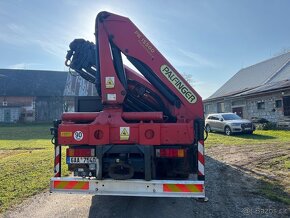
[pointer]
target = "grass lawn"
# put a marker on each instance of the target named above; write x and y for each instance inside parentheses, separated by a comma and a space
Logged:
(258, 137)
(26, 162)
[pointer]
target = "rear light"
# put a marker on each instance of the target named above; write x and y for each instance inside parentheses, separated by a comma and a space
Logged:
(80, 152)
(170, 152)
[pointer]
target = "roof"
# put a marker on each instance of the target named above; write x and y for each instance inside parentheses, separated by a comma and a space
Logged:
(267, 87)
(32, 82)
(264, 75)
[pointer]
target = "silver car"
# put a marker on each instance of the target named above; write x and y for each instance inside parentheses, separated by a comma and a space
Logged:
(228, 123)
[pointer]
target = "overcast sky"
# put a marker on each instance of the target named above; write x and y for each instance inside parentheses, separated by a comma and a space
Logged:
(211, 40)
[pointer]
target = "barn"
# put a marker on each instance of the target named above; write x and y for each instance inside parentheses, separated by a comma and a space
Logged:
(258, 91)
(41, 96)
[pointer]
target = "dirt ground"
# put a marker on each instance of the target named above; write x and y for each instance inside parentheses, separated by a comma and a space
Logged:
(233, 177)
(259, 161)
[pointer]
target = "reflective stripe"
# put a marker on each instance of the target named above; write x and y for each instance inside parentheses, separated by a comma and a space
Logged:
(57, 168)
(182, 188)
(71, 185)
(200, 158)
(200, 168)
(57, 150)
(200, 148)
(57, 161)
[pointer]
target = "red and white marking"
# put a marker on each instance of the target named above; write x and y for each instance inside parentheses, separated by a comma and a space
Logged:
(200, 158)
(57, 161)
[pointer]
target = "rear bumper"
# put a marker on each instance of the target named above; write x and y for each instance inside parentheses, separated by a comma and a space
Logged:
(132, 187)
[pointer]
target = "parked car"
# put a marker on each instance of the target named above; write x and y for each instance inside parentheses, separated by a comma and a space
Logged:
(228, 123)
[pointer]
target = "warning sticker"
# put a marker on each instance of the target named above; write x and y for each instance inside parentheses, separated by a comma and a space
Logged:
(110, 82)
(124, 133)
(111, 97)
(65, 134)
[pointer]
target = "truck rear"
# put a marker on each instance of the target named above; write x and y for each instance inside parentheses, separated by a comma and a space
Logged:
(148, 140)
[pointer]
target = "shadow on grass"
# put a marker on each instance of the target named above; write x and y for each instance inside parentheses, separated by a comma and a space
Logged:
(231, 193)
(253, 136)
(27, 149)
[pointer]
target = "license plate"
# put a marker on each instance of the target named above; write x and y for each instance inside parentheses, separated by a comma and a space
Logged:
(248, 128)
(81, 160)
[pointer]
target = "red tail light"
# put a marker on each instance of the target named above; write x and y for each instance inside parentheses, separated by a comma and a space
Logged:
(80, 152)
(170, 152)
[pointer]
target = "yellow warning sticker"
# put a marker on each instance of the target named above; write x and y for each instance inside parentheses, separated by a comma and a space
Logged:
(66, 134)
(124, 133)
(110, 82)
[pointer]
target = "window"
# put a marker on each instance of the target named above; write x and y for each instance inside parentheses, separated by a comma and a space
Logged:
(207, 108)
(278, 103)
(261, 105)
(4, 103)
(215, 118)
(230, 117)
(220, 107)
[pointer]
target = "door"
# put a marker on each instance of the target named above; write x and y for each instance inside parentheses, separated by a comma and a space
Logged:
(7, 116)
(286, 105)
(220, 123)
(238, 111)
(214, 123)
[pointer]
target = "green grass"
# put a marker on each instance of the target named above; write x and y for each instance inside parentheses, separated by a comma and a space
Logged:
(287, 164)
(280, 163)
(274, 191)
(258, 137)
(26, 162)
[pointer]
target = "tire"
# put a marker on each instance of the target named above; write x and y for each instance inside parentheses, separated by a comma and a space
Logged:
(228, 131)
(207, 128)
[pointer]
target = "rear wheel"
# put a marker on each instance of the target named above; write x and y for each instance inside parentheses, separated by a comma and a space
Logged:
(228, 130)
(207, 128)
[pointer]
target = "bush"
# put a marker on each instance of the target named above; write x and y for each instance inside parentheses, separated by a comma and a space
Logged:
(267, 126)
(259, 120)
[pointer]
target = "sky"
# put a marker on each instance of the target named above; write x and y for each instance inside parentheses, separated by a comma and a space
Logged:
(208, 40)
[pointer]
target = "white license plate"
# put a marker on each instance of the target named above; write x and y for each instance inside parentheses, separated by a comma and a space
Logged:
(248, 128)
(81, 160)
